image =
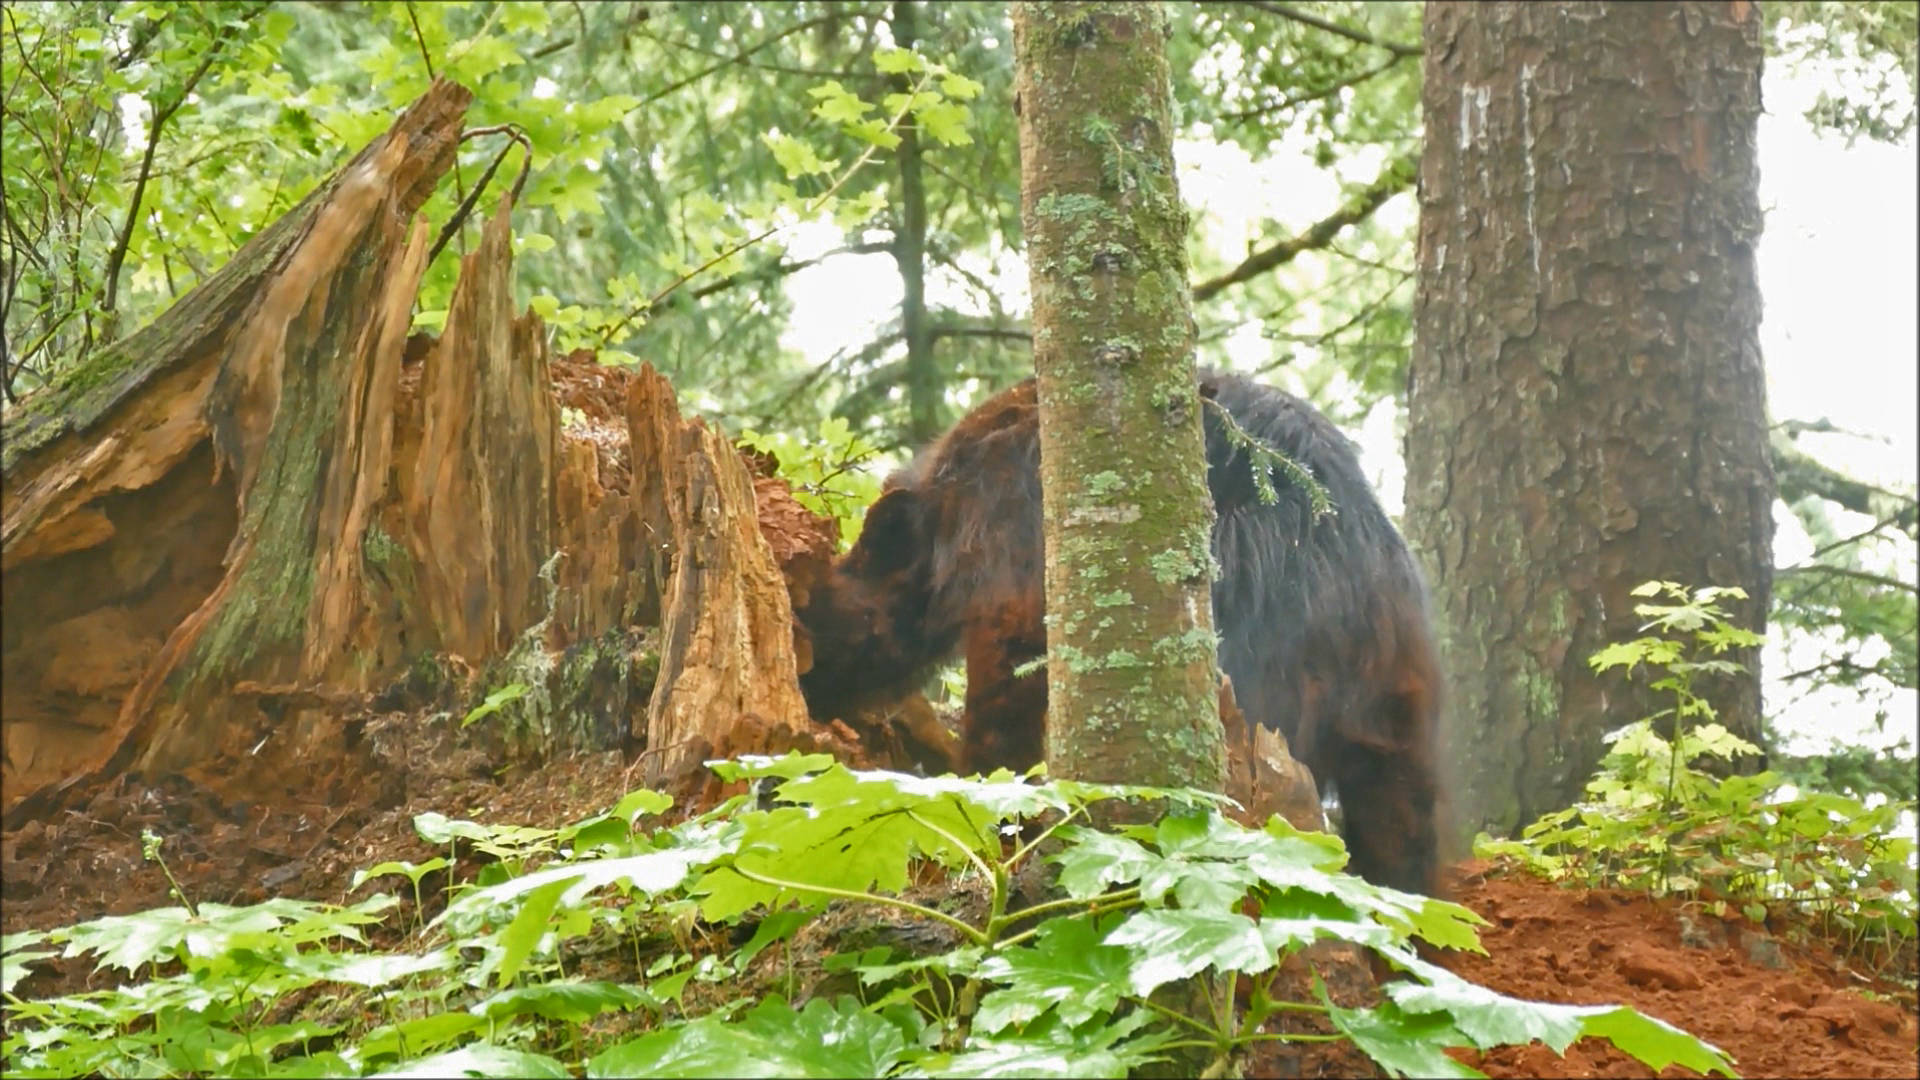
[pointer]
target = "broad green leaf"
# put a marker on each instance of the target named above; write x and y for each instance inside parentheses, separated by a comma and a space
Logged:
(897, 61)
(652, 872)
(481, 1059)
(797, 158)
(127, 941)
(1050, 1049)
(963, 962)
(409, 870)
(946, 122)
(1169, 945)
(414, 1036)
(368, 969)
(771, 1040)
(1402, 1044)
(959, 87)
(859, 832)
(1066, 969)
(16, 965)
(1093, 861)
(572, 1002)
(787, 766)
(529, 925)
(1486, 1017)
(437, 828)
(876, 131)
(1656, 1043)
(777, 926)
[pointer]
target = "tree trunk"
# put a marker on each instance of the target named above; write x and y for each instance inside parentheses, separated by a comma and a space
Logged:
(924, 397)
(1132, 679)
(221, 533)
(1586, 405)
(120, 601)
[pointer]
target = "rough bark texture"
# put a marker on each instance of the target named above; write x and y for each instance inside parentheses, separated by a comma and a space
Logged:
(1587, 403)
(1132, 678)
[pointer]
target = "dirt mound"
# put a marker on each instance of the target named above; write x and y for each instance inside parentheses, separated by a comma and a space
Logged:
(1780, 1009)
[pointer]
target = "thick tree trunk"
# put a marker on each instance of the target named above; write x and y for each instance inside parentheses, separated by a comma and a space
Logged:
(1587, 408)
(1132, 679)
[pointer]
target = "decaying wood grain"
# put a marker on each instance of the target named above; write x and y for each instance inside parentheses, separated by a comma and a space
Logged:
(228, 535)
(478, 493)
(240, 401)
(1262, 775)
(728, 681)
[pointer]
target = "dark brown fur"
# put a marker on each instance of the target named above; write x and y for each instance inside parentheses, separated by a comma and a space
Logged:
(1322, 622)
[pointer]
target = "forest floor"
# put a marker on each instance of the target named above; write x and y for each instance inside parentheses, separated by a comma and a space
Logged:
(1780, 1005)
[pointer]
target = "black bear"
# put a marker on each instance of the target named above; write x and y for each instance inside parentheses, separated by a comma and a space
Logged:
(1322, 620)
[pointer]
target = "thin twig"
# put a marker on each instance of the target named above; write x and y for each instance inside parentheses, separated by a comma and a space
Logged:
(783, 269)
(460, 213)
(1288, 11)
(1321, 94)
(1870, 578)
(734, 59)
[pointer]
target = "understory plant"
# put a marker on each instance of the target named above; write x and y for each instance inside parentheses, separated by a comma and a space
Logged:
(1141, 942)
(1749, 843)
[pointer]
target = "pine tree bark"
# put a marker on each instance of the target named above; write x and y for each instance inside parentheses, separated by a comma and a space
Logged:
(1132, 679)
(1587, 404)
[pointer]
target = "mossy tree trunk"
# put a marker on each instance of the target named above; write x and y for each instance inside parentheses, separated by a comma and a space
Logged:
(1587, 404)
(1132, 679)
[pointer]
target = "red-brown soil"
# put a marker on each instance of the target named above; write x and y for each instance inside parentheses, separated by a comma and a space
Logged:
(1781, 1009)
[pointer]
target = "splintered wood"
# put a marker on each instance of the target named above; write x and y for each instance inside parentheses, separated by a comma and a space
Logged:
(728, 682)
(224, 534)
(176, 477)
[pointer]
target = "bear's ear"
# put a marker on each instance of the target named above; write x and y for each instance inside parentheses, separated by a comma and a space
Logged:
(893, 535)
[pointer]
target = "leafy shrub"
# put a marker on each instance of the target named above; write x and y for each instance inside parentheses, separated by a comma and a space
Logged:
(1746, 843)
(826, 475)
(1069, 986)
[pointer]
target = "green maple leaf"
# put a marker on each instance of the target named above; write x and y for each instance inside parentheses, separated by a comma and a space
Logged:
(821, 1040)
(1066, 969)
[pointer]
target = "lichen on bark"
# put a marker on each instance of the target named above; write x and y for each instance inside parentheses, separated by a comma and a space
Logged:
(1122, 458)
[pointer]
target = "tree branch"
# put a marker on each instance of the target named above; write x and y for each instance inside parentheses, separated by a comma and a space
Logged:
(1288, 11)
(1869, 577)
(1397, 177)
(736, 58)
(160, 117)
(1004, 333)
(1798, 475)
(1321, 94)
(772, 271)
